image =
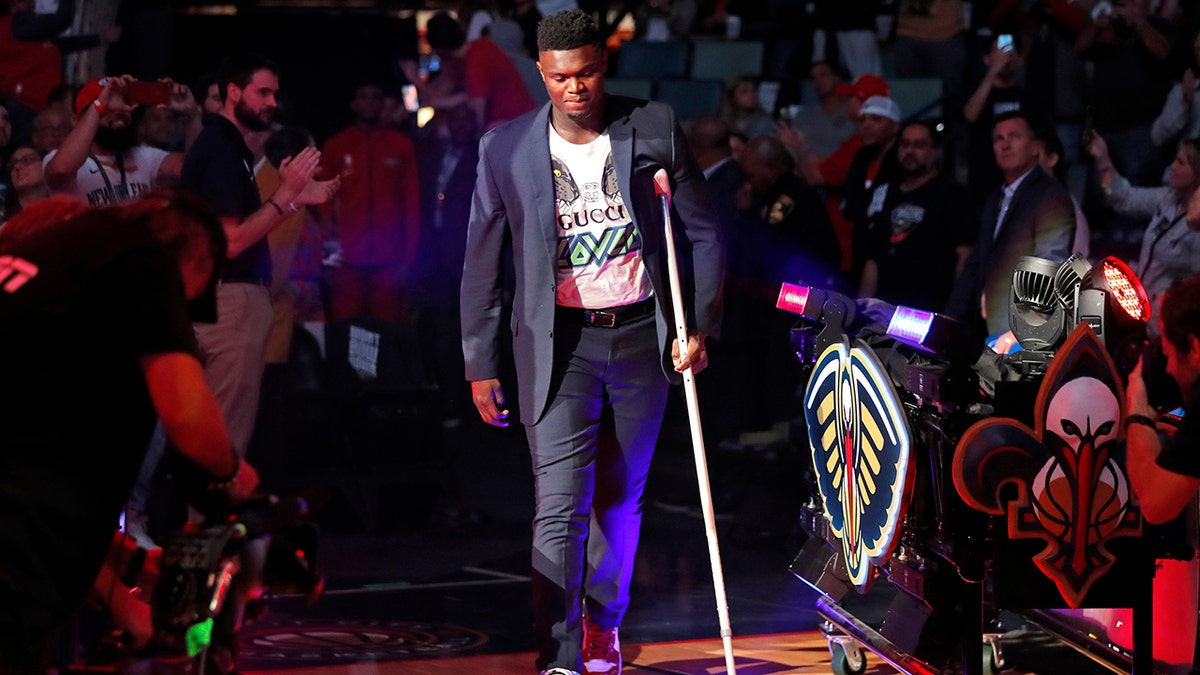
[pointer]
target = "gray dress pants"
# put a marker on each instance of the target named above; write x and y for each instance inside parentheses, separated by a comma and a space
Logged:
(591, 454)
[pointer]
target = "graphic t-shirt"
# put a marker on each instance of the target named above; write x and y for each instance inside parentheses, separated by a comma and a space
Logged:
(101, 181)
(599, 249)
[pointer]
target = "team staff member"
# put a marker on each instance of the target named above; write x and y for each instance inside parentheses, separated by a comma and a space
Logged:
(97, 342)
(571, 186)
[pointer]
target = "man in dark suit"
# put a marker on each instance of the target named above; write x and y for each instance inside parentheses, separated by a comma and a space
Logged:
(1032, 214)
(570, 186)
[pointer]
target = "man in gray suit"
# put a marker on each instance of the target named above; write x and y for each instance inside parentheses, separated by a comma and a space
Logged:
(1031, 214)
(570, 187)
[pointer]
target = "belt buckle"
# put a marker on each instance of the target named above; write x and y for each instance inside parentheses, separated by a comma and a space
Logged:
(600, 319)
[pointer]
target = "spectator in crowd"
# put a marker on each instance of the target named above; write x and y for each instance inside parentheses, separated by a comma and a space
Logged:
(100, 161)
(75, 428)
(218, 168)
(1031, 214)
(1170, 249)
(796, 240)
(508, 37)
(490, 83)
(659, 20)
(288, 241)
(50, 129)
(826, 125)
(1044, 33)
(831, 172)
(448, 161)
(26, 185)
(784, 234)
(852, 28)
(729, 393)
(997, 93)
(376, 216)
(1128, 49)
(6, 133)
(209, 89)
(930, 43)
(590, 465)
(158, 126)
(873, 170)
(63, 97)
(743, 110)
(918, 242)
(1180, 115)
(32, 45)
(1050, 158)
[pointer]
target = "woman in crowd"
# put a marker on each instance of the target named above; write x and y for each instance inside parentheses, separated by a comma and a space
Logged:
(1170, 249)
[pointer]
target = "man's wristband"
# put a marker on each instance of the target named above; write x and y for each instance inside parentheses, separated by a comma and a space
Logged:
(291, 207)
(226, 482)
(1131, 420)
(100, 107)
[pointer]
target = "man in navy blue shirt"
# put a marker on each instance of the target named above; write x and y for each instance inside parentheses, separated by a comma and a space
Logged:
(220, 168)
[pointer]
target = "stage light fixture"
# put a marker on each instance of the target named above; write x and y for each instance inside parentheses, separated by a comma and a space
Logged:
(1036, 317)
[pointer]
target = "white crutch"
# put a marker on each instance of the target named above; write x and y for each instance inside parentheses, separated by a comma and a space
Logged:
(662, 187)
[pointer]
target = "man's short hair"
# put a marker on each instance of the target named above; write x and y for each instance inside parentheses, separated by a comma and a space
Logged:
(443, 31)
(1014, 115)
(567, 30)
(1181, 313)
(935, 136)
(239, 69)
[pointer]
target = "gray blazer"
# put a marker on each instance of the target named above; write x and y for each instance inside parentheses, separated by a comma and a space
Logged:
(514, 201)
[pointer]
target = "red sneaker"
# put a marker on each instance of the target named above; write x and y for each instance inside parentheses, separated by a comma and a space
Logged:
(601, 649)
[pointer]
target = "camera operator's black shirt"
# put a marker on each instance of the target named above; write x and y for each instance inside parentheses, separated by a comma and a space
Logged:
(1182, 454)
(75, 413)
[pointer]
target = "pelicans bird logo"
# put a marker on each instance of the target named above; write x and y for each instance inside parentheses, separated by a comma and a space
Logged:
(860, 442)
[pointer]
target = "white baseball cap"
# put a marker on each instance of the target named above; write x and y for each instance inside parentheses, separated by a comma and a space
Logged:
(882, 106)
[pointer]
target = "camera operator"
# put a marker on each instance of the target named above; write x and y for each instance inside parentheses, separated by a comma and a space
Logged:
(97, 340)
(1165, 478)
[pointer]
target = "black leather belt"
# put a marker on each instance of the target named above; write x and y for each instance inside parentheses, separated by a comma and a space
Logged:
(610, 317)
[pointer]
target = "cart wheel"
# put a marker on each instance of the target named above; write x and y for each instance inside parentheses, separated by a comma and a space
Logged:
(847, 657)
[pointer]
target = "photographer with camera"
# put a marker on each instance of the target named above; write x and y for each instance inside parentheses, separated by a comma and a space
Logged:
(1166, 477)
(100, 161)
(97, 342)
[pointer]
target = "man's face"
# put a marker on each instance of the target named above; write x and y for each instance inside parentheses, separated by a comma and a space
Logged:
(212, 99)
(760, 175)
(158, 127)
(50, 128)
(916, 150)
(877, 130)
(26, 166)
(367, 104)
(824, 79)
(1015, 149)
(255, 105)
(575, 80)
(1185, 368)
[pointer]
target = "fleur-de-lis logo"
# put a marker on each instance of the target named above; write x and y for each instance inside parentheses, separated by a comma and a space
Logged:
(1072, 493)
(860, 443)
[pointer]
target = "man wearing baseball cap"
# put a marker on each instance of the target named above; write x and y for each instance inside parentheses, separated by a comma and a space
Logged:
(873, 169)
(831, 172)
(100, 161)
